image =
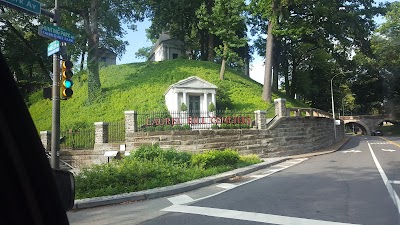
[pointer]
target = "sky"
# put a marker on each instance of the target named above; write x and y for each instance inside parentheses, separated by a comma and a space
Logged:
(137, 39)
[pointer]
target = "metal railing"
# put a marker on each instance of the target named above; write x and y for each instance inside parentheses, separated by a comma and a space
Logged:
(196, 120)
(77, 139)
(116, 132)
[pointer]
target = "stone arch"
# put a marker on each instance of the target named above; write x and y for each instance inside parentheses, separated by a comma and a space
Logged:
(361, 124)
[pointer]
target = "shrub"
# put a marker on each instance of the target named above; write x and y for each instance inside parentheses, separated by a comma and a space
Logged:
(211, 107)
(214, 126)
(246, 160)
(186, 127)
(159, 128)
(183, 107)
(225, 126)
(178, 127)
(148, 152)
(214, 158)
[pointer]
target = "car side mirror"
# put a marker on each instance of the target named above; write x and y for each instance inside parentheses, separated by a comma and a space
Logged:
(66, 187)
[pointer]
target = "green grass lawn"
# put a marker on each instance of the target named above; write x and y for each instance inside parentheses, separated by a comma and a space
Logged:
(141, 87)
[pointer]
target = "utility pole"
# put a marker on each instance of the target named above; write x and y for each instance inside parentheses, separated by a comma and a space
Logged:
(55, 131)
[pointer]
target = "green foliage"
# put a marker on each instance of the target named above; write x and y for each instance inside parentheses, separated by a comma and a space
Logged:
(150, 167)
(152, 152)
(214, 158)
(141, 87)
(183, 107)
(247, 160)
(214, 126)
(143, 53)
(211, 107)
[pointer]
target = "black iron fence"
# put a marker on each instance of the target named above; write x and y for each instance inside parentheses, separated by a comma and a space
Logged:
(77, 139)
(196, 120)
(116, 132)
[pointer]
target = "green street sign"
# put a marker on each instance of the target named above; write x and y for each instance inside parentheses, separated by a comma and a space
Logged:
(53, 48)
(58, 33)
(28, 6)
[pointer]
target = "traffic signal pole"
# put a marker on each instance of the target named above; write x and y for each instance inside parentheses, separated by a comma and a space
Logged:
(55, 131)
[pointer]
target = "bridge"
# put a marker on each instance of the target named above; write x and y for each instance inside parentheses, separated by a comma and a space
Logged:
(367, 123)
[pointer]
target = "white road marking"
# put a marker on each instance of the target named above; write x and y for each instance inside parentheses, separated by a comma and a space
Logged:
(247, 216)
(394, 181)
(180, 199)
(379, 143)
(389, 187)
(388, 150)
(284, 166)
(226, 185)
(256, 177)
(352, 151)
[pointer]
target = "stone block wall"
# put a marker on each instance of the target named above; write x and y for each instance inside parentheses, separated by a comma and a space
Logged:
(290, 136)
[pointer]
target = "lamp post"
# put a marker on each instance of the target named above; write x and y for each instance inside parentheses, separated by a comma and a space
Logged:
(333, 106)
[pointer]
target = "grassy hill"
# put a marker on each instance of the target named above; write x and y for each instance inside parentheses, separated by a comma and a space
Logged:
(141, 87)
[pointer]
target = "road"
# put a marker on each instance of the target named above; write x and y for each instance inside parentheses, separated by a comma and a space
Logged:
(359, 184)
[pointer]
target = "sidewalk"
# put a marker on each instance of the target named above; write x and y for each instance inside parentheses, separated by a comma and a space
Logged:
(195, 184)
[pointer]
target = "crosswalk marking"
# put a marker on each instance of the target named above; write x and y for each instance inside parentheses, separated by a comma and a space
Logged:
(226, 185)
(247, 216)
(180, 199)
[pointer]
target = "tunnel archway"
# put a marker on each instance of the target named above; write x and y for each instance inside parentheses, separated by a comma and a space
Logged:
(357, 124)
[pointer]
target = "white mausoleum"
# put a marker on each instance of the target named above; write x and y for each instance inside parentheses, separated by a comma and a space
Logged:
(166, 48)
(196, 93)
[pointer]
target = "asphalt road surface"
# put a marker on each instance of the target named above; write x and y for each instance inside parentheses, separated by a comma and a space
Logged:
(359, 184)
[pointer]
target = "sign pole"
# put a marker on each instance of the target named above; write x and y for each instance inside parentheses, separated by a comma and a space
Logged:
(55, 132)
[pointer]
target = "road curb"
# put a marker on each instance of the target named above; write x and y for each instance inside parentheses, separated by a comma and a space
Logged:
(195, 184)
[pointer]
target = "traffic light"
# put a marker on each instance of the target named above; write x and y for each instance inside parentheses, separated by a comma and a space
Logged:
(66, 82)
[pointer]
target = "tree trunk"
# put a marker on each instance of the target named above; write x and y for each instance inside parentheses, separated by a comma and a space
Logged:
(293, 87)
(275, 66)
(211, 47)
(82, 60)
(286, 72)
(91, 25)
(268, 63)
(222, 71)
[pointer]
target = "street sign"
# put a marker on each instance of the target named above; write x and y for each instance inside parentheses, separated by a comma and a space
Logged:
(58, 33)
(28, 6)
(53, 48)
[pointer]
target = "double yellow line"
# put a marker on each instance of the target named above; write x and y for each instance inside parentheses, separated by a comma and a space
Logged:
(391, 142)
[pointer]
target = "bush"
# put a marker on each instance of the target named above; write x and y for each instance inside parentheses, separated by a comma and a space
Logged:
(214, 126)
(150, 167)
(214, 158)
(247, 160)
(159, 128)
(155, 152)
(186, 127)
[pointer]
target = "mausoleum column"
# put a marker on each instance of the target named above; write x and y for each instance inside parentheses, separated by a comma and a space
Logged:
(205, 103)
(184, 97)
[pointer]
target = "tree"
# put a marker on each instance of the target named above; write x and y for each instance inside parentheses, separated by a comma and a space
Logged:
(225, 20)
(337, 27)
(143, 53)
(101, 22)
(24, 50)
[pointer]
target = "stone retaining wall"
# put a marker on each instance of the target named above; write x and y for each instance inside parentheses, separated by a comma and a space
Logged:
(290, 135)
